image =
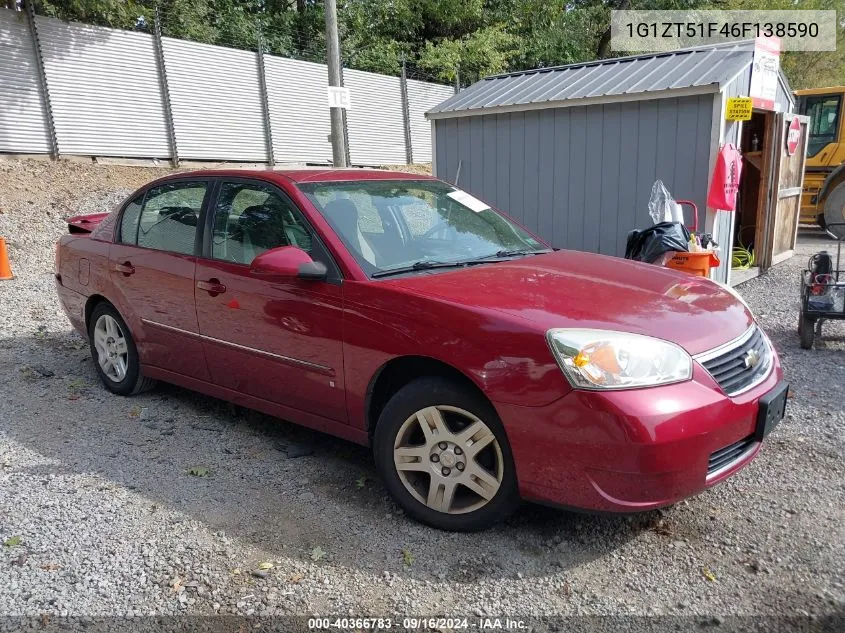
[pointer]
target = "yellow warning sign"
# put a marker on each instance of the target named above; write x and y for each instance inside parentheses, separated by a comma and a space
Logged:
(739, 109)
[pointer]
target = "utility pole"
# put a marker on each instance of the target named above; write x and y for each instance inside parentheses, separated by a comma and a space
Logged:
(406, 113)
(333, 53)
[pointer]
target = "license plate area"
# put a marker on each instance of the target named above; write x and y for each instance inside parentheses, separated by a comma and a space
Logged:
(772, 408)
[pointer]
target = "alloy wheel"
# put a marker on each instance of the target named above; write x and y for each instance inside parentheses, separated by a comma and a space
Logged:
(111, 346)
(448, 459)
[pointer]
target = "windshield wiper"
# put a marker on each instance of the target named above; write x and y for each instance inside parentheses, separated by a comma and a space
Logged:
(427, 264)
(510, 253)
(420, 265)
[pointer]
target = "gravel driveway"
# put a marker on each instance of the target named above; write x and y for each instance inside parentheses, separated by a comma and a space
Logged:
(175, 503)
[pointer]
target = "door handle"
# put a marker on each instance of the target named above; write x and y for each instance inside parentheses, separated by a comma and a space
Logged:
(213, 287)
(126, 268)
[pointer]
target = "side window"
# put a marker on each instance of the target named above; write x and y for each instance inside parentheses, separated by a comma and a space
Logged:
(129, 221)
(251, 218)
(824, 115)
(170, 215)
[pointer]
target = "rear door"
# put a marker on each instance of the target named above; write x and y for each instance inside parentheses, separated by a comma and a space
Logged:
(277, 340)
(152, 264)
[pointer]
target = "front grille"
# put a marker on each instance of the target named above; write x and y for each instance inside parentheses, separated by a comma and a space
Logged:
(732, 365)
(725, 457)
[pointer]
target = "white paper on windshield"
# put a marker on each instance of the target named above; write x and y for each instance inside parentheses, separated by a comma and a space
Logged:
(467, 200)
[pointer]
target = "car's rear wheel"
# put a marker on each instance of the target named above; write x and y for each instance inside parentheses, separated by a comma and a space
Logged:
(443, 455)
(114, 352)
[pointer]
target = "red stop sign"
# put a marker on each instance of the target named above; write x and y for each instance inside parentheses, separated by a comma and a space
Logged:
(793, 136)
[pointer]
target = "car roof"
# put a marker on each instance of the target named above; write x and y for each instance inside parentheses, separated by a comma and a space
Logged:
(320, 174)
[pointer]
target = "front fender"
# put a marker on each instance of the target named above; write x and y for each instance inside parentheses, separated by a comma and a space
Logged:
(507, 359)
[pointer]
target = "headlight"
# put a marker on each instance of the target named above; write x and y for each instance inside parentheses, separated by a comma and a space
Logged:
(600, 359)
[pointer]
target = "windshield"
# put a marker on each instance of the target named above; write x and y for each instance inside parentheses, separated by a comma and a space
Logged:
(394, 224)
(824, 112)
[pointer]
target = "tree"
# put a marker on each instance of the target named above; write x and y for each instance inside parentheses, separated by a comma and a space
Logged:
(807, 69)
(444, 38)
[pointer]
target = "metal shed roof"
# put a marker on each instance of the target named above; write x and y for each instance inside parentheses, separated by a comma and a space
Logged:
(687, 71)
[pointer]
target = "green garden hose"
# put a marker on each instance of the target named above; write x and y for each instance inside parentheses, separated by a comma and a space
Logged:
(742, 258)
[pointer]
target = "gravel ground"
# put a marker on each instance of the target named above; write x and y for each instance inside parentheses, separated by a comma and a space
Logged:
(100, 514)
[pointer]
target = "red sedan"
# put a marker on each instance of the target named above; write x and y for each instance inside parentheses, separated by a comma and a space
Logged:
(397, 311)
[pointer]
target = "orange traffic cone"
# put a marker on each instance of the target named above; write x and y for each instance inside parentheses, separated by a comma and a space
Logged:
(5, 270)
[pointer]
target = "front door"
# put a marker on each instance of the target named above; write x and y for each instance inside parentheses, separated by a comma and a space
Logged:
(279, 340)
(781, 227)
(152, 266)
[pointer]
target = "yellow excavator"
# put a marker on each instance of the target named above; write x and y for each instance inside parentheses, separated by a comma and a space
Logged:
(823, 198)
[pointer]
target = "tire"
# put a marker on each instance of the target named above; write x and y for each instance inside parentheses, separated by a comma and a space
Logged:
(834, 210)
(474, 486)
(122, 374)
(806, 331)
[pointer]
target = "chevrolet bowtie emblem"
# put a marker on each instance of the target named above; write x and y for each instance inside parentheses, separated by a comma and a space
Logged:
(751, 359)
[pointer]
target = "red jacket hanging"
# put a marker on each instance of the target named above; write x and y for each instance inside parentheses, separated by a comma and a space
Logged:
(725, 183)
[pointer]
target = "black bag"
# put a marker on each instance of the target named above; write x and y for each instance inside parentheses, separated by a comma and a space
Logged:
(648, 245)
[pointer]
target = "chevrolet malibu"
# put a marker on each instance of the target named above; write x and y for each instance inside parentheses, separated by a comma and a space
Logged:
(395, 310)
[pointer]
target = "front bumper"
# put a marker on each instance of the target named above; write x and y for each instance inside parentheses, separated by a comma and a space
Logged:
(629, 451)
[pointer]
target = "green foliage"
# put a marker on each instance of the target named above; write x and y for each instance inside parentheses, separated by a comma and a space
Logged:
(446, 39)
(378, 55)
(407, 557)
(483, 52)
(810, 69)
(117, 14)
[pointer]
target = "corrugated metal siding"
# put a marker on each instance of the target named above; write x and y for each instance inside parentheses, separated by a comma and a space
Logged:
(721, 223)
(299, 111)
(23, 126)
(620, 76)
(581, 176)
(104, 90)
(784, 96)
(376, 126)
(214, 93)
(423, 96)
(107, 101)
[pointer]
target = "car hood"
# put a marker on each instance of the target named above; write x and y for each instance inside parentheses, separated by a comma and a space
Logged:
(574, 289)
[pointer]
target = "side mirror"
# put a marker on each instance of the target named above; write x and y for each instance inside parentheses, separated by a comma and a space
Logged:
(288, 261)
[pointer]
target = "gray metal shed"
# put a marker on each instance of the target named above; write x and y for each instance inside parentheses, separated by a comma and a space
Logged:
(572, 151)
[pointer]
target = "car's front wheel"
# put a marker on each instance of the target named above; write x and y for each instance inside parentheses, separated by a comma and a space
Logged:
(114, 352)
(443, 455)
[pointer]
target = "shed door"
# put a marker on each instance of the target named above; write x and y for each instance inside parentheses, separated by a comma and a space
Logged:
(785, 201)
